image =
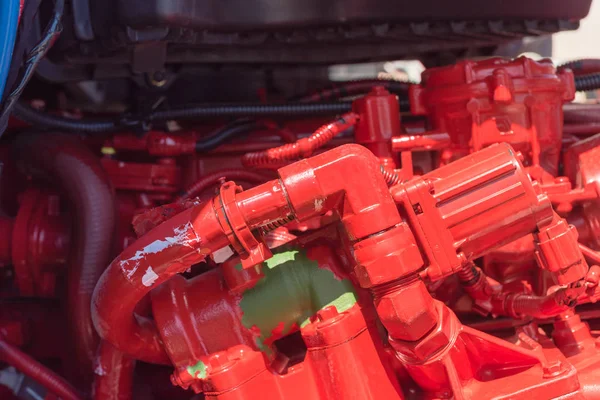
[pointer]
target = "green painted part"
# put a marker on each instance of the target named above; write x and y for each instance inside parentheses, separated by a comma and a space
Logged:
(293, 289)
(197, 371)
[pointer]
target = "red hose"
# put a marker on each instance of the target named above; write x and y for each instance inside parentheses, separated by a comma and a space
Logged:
(302, 148)
(38, 372)
(114, 374)
(69, 164)
(542, 307)
(245, 147)
(515, 305)
(168, 249)
(209, 180)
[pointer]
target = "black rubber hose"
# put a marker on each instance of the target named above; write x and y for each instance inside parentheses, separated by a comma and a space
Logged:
(252, 110)
(583, 66)
(224, 134)
(49, 121)
(587, 82)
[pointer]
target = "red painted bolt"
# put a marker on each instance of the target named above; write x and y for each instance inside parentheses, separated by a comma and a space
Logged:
(181, 378)
(552, 369)
(219, 361)
(326, 313)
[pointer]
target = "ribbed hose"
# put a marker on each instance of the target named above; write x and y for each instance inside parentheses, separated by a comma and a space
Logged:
(252, 110)
(49, 121)
(69, 164)
(301, 148)
(211, 179)
(541, 307)
(583, 66)
(38, 372)
(586, 83)
(515, 305)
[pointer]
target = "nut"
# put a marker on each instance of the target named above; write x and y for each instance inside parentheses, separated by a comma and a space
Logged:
(327, 313)
(387, 256)
(408, 312)
(442, 336)
(552, 369)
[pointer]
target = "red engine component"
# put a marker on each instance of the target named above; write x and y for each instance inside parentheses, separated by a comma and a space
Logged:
(480, 103)
(363, 261)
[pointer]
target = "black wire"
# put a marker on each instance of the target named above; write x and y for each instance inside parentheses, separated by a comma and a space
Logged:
(224, 134)
(49, 121)
(40, 118)
(53, 28)
(252, 110)
(575, 65)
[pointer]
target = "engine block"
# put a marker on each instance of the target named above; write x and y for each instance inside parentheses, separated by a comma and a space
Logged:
(447, 251)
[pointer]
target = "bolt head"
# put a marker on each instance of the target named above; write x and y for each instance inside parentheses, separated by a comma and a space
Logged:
(442, 336)
(407, 313)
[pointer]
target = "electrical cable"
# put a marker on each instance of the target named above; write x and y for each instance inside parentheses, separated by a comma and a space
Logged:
(9, 21)
(52, 30)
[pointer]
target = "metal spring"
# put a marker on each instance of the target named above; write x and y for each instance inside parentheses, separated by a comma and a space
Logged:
(276, 224)
(391, 177)
(468, 275)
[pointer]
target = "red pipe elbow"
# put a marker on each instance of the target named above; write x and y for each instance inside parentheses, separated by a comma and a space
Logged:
(346, 179)
(168, 249)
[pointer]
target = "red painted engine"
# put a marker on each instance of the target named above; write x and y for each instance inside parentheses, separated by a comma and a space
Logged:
(450, 254)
